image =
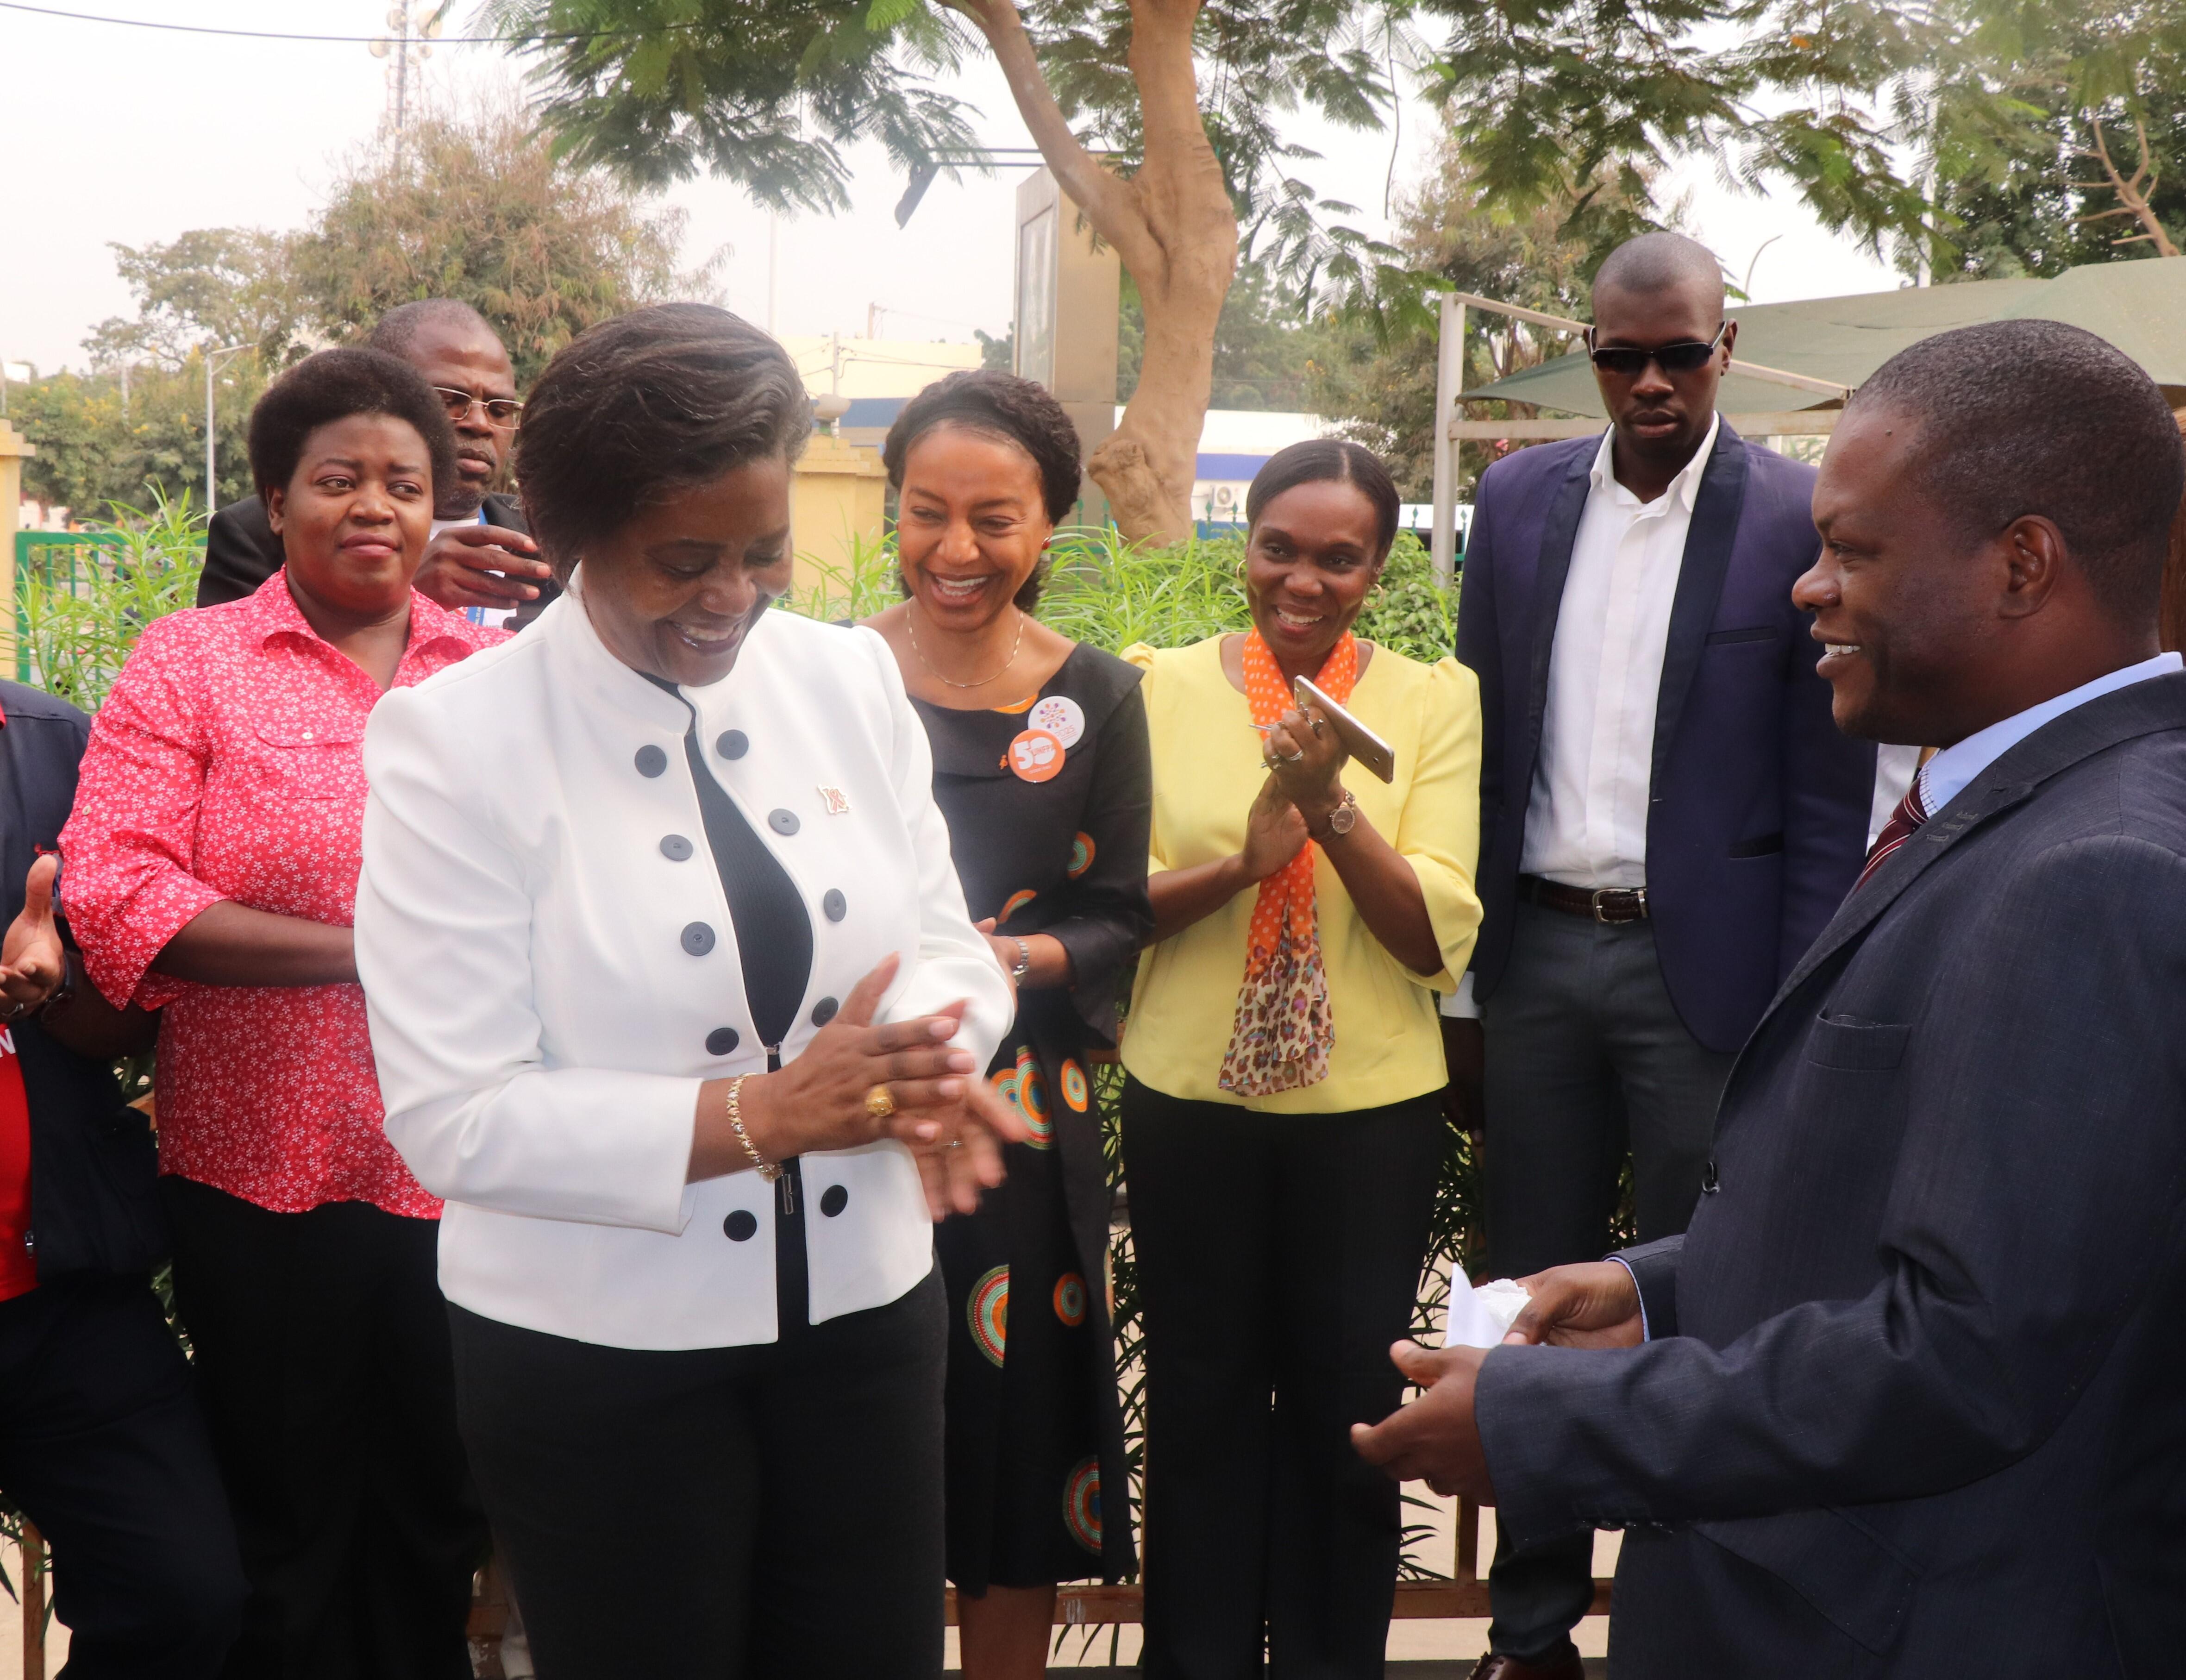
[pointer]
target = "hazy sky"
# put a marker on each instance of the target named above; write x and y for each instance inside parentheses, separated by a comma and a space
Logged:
(132, 136)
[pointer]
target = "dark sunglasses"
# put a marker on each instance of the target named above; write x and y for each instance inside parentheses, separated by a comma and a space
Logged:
(501, 411)
(1687, 356)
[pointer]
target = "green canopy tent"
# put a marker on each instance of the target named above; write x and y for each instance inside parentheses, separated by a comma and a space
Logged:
(1809, 354)
(2139, 306)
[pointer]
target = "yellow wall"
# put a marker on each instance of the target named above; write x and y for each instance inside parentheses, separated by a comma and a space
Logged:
(839, 500)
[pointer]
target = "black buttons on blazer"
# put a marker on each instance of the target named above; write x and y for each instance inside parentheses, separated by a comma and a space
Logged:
(732, 743)
(741, 1226)
(675, 847)
(834, 906)
(650, 760)
(824, 1011)
(721, 1040)
(783, 822)
(1709, 1183)
(833, 1200)
(698, 938)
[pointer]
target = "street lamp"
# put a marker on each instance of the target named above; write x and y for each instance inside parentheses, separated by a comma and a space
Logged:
(212, 357)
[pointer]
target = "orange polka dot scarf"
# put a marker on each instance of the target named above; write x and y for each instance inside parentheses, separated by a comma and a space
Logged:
(1284, 1030)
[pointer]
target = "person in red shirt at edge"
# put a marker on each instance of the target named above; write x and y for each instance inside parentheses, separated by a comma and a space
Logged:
(211, 867)
(102, 1444)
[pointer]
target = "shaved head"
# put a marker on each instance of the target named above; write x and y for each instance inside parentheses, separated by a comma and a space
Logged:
(1662, 262)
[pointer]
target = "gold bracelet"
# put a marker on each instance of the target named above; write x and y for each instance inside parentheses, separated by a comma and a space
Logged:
(767, 1169)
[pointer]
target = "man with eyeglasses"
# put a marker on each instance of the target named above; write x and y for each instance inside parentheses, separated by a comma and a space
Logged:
(481, 561)
(1668, 816)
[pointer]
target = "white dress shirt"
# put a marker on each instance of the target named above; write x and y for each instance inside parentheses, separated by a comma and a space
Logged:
(550, 970)
(1950, 773)
(1586, 820)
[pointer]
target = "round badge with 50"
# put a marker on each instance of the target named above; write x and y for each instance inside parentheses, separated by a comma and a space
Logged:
(1036, 756)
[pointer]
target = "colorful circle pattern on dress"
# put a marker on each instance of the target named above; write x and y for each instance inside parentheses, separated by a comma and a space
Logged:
(987, 1313)
(1074, 1085)
(1081, 1505)
(1070, 1299)
(1016, 902)
(1006, 1085)
(1032, 1101)
(1081, 855)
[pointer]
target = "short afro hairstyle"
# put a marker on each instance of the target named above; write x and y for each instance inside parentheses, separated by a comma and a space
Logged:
(1021, 411)
(1325, 460)
(333, 385)
(2026, 416)
(637, 408)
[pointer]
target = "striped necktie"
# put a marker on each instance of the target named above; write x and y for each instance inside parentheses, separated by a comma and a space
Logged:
(1910, 813)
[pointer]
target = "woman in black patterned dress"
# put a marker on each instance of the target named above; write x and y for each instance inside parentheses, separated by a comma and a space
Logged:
(1040, 765)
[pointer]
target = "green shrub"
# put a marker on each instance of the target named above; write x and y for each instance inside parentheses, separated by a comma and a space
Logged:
(80, 614)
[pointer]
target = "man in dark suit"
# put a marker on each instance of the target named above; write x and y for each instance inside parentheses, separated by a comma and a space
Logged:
(1908, 1398)
(101, 1442)
(481, 560)
(1669, 817)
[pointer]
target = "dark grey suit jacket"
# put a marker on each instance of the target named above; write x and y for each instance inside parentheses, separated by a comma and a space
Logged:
(242, 551)
(1915, 1400)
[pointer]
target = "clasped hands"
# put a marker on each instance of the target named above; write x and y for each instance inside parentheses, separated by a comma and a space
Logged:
(1303, 759)
(1436, 1438)
(953, 1122)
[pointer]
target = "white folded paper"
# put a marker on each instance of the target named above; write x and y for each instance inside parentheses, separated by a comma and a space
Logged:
(1480, 1316)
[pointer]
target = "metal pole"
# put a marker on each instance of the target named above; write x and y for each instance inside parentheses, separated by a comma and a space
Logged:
(211, 358)
(1449, 385)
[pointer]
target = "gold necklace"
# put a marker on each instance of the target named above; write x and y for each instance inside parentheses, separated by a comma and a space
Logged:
(910, 624)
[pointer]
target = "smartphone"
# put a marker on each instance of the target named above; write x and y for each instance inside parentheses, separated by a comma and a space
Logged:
(1360, 741)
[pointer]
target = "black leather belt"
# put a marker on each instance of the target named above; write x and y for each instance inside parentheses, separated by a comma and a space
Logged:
(1610, 905)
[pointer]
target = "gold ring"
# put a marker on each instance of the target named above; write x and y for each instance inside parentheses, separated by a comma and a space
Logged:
(879, 1103)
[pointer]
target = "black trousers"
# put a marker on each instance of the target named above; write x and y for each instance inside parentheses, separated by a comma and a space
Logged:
(1586, 1059)
(321, 1344)
(102, 1447)
(1278, 1257)
(772, 1510)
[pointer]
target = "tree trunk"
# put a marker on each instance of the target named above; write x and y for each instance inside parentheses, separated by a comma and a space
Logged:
(1175, 231)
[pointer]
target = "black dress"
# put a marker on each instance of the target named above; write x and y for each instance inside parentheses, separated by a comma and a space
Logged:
(1035, 1433)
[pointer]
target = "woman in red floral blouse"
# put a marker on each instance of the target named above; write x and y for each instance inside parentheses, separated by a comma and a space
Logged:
(210, 872)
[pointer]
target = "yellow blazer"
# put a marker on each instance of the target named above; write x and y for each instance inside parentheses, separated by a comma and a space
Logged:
(1207, 769)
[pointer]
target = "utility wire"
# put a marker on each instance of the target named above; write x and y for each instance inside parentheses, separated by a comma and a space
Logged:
(347, 39)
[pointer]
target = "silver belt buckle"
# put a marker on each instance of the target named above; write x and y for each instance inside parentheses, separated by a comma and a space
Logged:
(1639, 896)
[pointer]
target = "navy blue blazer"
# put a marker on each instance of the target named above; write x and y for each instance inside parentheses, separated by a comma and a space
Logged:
(1913, 1402)
(93, 1204)
(1757, 818)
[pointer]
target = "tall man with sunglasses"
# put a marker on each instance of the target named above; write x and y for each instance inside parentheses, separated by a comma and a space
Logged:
(1668, 816)
(481, 561)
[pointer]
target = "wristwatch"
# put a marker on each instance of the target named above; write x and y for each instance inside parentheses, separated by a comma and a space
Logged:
(1024, 961)
(1344, 819)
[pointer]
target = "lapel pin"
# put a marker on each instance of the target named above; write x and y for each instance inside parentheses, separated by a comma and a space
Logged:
(834, 801)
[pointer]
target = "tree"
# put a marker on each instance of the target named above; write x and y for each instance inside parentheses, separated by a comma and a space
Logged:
(1263, 351)
(1376, 368)
(2059, 134)
(1560, 100)
(209, 288)
(471, 208)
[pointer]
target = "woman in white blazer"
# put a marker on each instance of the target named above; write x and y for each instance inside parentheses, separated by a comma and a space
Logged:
(674, 1000)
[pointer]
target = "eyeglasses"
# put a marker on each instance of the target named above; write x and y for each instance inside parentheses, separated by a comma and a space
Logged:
(1626, 362)
(500, 410)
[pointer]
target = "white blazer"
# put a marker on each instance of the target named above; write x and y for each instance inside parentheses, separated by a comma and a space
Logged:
(549, 964)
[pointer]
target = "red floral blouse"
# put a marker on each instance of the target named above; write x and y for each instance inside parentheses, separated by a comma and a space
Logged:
(228, 763)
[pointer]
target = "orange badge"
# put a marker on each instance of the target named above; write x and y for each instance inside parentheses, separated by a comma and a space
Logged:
(1036, 756)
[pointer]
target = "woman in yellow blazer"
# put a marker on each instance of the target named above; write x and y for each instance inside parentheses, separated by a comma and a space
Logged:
(1282, 1135)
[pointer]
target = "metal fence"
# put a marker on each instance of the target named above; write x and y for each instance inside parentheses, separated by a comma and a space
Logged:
(72, 561)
